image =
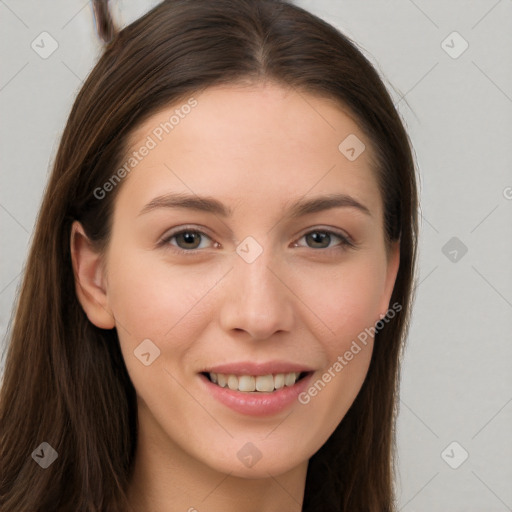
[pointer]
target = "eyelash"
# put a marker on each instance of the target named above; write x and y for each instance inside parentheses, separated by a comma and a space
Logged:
(345, 242)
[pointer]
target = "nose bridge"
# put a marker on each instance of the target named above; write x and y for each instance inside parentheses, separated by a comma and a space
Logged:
(256, 300)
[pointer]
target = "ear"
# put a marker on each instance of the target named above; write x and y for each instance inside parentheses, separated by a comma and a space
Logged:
(393, 263)
(89, 278)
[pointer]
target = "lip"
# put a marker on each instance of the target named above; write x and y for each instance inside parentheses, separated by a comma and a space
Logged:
(255, 369)
(256, 403)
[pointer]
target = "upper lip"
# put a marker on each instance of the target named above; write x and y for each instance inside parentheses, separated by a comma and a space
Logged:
(255, 369)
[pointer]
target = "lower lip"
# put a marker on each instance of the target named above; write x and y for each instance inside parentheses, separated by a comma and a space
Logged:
(257, 403)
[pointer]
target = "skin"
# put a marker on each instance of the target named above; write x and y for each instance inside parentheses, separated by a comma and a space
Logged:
(256, 149)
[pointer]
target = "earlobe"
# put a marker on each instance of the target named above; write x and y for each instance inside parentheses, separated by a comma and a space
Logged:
(89, 278)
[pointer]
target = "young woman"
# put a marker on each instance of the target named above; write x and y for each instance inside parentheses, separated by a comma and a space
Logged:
(221, 276)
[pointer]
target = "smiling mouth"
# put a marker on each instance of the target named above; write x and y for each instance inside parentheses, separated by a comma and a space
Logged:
(255, 383)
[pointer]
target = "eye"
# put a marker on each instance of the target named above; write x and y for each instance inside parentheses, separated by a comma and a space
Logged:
(322, 238)
(186, 239)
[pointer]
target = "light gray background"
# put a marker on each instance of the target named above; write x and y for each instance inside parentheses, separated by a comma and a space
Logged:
(457, 378)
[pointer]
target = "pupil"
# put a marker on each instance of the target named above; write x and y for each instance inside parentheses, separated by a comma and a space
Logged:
(320, 238)
(189, 238)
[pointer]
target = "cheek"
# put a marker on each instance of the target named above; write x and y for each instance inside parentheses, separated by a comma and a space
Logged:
(164, 303)
(347, 303)
(151, 297)
(345, 299)
(155, 301)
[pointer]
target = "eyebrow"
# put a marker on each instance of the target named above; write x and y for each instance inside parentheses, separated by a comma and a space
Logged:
(210, 205)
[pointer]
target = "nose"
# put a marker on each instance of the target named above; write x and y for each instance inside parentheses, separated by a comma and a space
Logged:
(257, 299)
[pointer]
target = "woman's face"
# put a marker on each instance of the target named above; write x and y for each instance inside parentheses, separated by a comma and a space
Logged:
(247, 248)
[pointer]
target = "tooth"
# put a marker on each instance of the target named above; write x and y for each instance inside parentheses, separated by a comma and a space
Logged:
(246, 383)
(279, 381)
(213, 377)
(265, 383)
(233, 382)
(222, 381)
(289, 379)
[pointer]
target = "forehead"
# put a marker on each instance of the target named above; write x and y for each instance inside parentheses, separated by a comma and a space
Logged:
(254, 143)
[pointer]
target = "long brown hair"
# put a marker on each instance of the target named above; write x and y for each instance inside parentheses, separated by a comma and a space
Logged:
(65, 381)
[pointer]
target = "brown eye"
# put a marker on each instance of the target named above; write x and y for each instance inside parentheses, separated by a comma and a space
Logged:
(318, 239)
(321, 239)
(186, 240)
(189, 239)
